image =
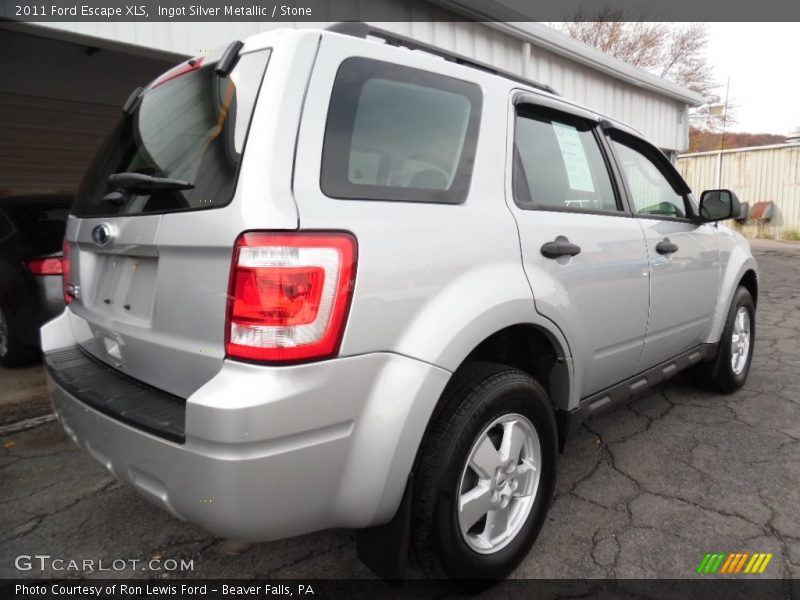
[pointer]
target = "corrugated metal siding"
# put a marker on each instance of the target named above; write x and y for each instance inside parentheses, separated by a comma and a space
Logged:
(767, 174)
(663, 120)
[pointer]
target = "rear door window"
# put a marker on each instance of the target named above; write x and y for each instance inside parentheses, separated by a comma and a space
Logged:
(558, 164)
(190, 125)
(397, 133)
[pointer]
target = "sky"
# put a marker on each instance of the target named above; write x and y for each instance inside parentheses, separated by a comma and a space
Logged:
(761, 61)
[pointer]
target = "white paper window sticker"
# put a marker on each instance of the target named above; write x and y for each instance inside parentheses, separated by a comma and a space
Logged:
(578, 173)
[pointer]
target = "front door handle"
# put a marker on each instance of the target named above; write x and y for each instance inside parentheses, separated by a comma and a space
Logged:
(561, 246)
(666, 247)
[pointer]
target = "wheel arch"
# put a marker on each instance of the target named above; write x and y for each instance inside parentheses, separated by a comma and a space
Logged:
(530, 347)
(534, 350)
(739, 269)
(750, 282)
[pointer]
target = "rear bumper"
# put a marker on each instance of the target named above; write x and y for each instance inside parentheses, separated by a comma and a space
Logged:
(273, 452)
(109, 391)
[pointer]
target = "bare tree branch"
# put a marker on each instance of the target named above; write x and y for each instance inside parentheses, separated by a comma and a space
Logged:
(675, 52)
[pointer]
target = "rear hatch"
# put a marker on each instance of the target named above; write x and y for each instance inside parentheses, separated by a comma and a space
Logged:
(149, 249)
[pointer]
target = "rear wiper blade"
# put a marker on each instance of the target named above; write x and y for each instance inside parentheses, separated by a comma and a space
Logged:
(141, 183)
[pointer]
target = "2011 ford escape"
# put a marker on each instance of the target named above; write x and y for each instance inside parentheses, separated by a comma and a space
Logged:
(315, 280)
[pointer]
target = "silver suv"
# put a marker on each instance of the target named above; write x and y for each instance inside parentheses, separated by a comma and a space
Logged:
(315, 280)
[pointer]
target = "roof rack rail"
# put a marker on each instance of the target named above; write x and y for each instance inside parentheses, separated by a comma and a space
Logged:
(364, 30)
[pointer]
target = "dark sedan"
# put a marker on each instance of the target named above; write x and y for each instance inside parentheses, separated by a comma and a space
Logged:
(31, 237)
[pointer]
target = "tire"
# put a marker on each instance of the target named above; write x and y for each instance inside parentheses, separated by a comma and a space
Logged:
(12, 353)
(479, 395)
(720, 374)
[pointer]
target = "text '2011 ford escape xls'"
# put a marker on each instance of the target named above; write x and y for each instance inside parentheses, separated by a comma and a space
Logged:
(315, 281)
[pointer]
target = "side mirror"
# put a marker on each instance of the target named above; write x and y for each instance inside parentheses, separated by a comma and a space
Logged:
(718, 205)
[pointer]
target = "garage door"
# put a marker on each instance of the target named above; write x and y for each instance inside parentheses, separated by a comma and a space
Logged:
(58, 100)
(47, 143)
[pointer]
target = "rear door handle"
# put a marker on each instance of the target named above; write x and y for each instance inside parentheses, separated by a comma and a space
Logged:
(561, 246)
(666, 247)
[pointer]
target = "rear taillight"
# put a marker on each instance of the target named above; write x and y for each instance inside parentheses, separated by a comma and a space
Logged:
(45, 266)
(289, 295)
(66, 271)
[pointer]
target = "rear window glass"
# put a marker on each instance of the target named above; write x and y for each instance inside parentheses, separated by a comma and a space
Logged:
(396, 133)
(190, 126)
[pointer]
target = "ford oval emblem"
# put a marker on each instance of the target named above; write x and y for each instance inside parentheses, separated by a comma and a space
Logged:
(101, 235)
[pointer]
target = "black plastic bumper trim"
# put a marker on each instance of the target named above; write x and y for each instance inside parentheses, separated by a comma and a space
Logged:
(117, 395)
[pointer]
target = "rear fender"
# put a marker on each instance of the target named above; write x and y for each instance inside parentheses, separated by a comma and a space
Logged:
(479, 303)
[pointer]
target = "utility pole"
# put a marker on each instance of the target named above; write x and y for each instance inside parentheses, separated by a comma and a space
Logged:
(722, 138)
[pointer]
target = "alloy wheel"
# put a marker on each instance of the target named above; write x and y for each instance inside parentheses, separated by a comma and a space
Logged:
(740, 340)
(498, 484)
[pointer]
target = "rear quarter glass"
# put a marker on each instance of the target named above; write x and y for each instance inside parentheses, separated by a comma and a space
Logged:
(399, 133)
(191, 127)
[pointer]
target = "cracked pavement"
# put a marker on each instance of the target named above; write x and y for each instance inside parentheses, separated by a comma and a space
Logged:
(643, 492)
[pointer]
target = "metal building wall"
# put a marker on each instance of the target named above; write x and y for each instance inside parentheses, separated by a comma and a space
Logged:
(661, 118)
(769, 173)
